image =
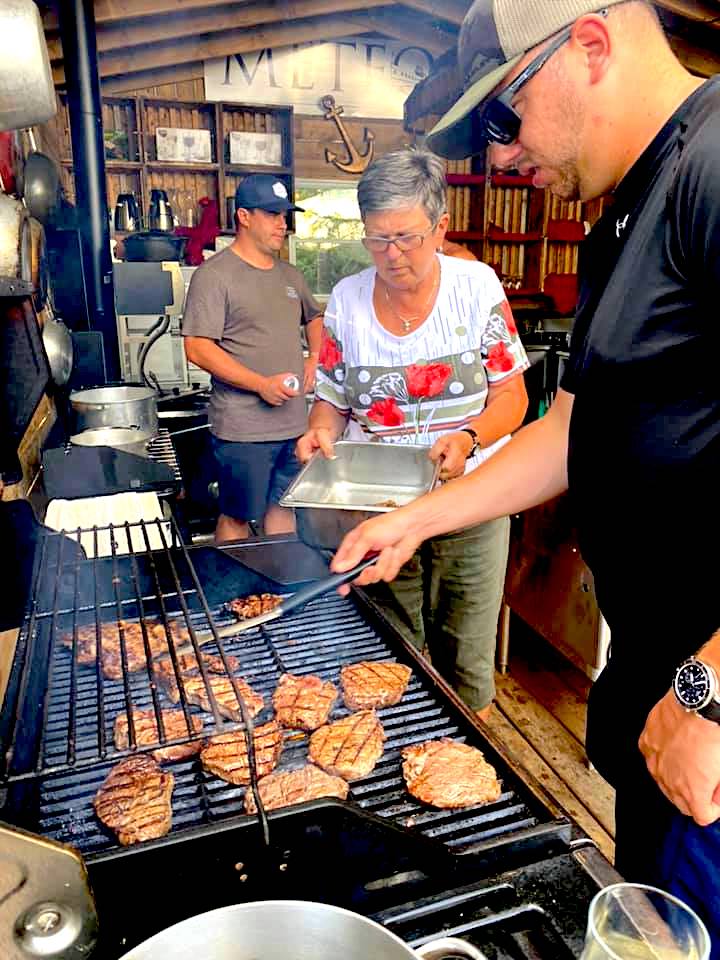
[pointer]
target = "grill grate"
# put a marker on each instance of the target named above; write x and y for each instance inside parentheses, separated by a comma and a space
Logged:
(74, 750)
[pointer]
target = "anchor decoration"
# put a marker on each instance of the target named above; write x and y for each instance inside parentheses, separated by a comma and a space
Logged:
(357, 160)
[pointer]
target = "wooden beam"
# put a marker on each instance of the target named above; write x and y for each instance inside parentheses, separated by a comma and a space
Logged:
(453, 11)
(706, 13)
(152, 78)
(417, 30)
(120, 11)
(192, 49)
(704, 63)
(203, 22)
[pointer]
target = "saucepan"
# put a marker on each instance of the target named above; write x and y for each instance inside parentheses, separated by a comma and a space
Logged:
(289, 930)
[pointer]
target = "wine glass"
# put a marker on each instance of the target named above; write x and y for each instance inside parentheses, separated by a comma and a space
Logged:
(631, 921)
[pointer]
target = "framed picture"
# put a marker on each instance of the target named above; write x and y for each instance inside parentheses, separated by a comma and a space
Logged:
(189, 146)
(256, 149)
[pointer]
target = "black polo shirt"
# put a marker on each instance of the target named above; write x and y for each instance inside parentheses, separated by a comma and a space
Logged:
(644, 447)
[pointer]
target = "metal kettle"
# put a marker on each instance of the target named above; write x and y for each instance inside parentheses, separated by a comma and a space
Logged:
(127, 213)
(160, 215)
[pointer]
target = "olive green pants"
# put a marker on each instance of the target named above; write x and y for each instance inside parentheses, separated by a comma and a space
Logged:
(446, 601)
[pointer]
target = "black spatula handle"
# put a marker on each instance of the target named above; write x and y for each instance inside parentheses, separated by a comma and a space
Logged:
(325, 585)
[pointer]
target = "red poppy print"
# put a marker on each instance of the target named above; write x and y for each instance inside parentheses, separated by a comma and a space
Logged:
(428, 379)
(387, 413)
(499, 359)
(508, 318)
(330, 354)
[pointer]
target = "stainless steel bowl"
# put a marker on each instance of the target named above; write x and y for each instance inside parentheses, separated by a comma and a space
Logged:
(121, 438)
(331, 497)
(289, 930)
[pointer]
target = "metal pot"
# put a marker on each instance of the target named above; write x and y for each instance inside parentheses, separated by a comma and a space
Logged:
(58, 345)
(15, 248)
(122, 405)
(122, 438)
(289, 930)
(149, 246)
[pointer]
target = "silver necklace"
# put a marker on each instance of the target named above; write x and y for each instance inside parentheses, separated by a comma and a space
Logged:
(407, 322)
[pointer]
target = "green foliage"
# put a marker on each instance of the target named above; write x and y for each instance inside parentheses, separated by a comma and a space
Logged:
(324, 264)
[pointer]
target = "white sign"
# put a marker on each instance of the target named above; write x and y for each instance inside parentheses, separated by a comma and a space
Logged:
(368, 78)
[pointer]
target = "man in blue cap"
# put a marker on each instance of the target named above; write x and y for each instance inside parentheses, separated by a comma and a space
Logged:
(242, 322)
(590, 100)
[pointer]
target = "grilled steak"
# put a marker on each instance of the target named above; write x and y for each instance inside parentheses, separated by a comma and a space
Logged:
(253, 605)
(370, 684)
(448, 774)
(283, 789)
(146, 732)
(350, 747)
(224, 693)
(226, 755)
(188, 666)
(134, 800)
(303, 702)
(134, 644)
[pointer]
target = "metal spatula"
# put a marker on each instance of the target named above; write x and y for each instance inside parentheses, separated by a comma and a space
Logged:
(294, 602)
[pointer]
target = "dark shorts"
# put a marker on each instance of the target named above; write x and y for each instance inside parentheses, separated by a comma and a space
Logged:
(253, 475)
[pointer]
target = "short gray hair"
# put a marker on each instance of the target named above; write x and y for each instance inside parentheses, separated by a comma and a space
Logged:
(404, 178)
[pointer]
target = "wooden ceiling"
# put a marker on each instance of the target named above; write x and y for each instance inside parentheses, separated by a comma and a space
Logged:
(145, 43)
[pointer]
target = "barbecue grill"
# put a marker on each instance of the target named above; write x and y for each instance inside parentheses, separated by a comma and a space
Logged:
(377, 853)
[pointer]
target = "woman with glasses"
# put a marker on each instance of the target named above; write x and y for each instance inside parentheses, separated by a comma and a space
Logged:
(422, 348)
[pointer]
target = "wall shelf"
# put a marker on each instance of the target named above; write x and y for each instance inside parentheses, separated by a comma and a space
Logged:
(131, 164)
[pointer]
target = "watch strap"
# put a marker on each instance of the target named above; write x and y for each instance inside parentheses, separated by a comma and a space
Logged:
(711, 711)
(474, 438)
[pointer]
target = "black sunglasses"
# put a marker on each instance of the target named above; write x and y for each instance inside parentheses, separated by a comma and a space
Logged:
(498, 122)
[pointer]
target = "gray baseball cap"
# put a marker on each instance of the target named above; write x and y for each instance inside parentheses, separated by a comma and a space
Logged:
(495, 35)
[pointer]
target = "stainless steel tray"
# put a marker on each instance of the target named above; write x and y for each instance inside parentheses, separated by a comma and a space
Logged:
(330, 497)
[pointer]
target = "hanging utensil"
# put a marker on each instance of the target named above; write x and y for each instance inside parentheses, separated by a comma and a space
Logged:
(294, 602)
(58, 345)
(41, 191)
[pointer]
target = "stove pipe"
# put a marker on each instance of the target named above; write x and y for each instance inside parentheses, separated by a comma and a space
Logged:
(77, 32)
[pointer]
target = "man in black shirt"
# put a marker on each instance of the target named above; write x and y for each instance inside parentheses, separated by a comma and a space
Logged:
(592, 101)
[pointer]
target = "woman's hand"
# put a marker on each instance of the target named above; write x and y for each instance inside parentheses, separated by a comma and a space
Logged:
(320, 438)
(454, 447)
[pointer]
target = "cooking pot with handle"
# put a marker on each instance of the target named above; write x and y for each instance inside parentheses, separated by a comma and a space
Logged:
(122, 405)
(15, 248)
(289, 930)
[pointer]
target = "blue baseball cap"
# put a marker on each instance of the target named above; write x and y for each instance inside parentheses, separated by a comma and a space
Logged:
(263, 191)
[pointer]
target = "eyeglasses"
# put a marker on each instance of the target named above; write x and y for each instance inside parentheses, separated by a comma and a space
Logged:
(499, 122)
(404, 242)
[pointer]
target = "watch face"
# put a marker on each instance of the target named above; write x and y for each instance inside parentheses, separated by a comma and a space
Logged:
(693, 685)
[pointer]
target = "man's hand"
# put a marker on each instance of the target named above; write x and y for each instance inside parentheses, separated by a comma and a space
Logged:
(273, 390)
(682, 752)
(309, 372)
(320, 438)
(390, 534)
(454, 447)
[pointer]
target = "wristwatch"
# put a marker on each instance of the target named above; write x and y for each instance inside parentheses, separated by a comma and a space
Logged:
(696, 689)
(476, 443)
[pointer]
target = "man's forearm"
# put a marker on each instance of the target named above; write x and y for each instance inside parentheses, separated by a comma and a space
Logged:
(209, 356)
(324, 415)
(529, 470)
(313, 332)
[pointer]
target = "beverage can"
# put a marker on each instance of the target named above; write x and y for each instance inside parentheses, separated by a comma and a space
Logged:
(292, 382)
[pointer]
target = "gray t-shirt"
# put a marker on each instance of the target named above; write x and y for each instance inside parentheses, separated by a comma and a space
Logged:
(256, 316)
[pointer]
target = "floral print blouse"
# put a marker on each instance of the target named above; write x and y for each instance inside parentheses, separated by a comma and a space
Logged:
(415, 388)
